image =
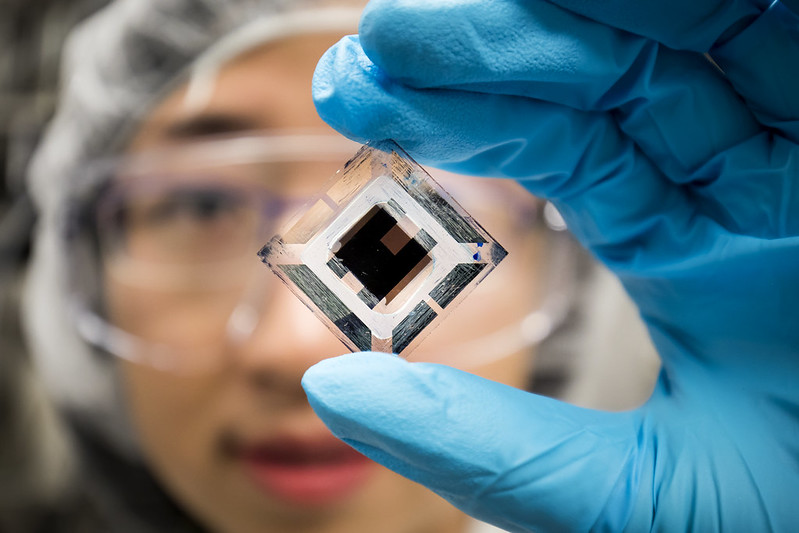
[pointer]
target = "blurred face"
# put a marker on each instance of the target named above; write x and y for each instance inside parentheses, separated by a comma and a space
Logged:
(236, 442)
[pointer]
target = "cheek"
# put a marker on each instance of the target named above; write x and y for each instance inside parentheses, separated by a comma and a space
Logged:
(177, 425)
(514, 370)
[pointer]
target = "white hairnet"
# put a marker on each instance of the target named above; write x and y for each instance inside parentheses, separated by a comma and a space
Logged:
(116, 66)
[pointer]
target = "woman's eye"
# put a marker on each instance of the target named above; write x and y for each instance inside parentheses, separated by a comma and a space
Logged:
(203, 206)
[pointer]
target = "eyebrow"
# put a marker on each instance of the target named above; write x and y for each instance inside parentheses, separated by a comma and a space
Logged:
(209, 124)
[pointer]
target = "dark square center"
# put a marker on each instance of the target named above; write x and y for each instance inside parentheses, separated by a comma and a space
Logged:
(379, 253)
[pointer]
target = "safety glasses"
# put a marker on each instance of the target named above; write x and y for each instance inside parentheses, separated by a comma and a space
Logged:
(163, 252)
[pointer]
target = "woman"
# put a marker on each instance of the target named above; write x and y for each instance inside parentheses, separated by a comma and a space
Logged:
(185, 139)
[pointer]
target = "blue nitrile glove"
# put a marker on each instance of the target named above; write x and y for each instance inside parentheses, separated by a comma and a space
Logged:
(668, 175)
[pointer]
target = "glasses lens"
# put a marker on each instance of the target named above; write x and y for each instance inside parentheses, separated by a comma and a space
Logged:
(174, 239)
(179, 236)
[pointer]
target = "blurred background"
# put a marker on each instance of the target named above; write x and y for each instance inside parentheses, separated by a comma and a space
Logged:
(33, 459)
(31, 36)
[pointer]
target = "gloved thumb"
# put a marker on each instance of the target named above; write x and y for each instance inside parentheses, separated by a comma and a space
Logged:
(520, 461)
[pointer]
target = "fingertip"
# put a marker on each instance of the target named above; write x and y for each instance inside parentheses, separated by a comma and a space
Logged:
(325, 79)
(347, 372)
(404, 37)
(345, 91)
(384, 26)
(341, 389)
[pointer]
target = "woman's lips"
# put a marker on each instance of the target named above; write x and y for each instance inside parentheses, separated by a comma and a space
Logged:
(305, 471)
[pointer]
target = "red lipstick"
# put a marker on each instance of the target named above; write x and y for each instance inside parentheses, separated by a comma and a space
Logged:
(305, 471)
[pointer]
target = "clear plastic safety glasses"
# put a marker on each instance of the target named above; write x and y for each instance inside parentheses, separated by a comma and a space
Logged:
(164, 267)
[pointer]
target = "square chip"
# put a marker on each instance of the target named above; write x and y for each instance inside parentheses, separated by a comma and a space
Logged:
(383, 253)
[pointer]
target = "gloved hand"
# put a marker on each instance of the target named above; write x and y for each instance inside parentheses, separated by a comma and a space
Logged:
(683, 180)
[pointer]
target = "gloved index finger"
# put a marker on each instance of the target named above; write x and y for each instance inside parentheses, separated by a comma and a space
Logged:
(676, 105)
(501, 47)
(556, 151)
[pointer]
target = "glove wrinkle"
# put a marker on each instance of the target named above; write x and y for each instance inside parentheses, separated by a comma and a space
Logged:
(761, 63)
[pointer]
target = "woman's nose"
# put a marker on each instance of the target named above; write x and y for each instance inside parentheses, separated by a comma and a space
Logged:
(286, 341)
